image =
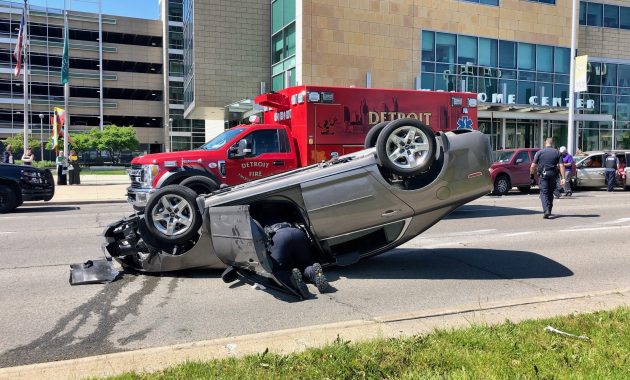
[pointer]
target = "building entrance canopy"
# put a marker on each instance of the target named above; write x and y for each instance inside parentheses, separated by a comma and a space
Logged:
(529, 112)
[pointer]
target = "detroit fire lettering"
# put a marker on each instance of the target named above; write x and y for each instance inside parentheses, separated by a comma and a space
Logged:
(255, 164)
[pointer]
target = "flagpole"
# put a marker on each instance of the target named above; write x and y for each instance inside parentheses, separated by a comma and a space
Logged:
(66, 96)
(25, 77)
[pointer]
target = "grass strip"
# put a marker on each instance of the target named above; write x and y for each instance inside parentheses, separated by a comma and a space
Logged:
(507, 351)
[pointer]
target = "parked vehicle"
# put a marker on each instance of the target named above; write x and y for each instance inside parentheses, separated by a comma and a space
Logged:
(352, 207)
(591, 171)
(19, 184)
(303, 125)
(511, 169)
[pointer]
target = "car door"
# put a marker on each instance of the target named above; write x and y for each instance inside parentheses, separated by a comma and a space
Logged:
(349, 201)
(520, 170)
(590, 172)
(270, 154)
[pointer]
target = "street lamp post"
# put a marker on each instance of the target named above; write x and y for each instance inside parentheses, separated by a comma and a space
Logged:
(170, 129)
(41, 139)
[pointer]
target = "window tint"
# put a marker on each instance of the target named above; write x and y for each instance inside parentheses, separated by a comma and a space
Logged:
(523, 157)
(264, 141)
(507, 54)
(488, 52)
(445, 47)
(624, 17)
(594, 14)
(526, 56)
(466, 49)
(544, 58)
(611, 16)
(428, 48)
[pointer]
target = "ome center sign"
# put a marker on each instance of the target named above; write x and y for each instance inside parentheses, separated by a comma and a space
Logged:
(544, 101)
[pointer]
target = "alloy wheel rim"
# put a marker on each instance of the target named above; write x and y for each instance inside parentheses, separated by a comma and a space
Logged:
(502, 186)
(408, 147)
(173, 215)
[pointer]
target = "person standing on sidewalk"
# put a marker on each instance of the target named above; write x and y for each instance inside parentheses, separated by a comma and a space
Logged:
(611, 163)
(7, 157)
(28, 157)
(547, 163)
(567, 162)
(62, 169)
(74, 172)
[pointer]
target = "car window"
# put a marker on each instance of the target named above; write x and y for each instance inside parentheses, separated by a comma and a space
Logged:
(266, 141)
(594, 161)
(523, 157)
(503, 156)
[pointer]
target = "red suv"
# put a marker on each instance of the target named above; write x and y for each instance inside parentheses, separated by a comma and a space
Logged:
(511, 169)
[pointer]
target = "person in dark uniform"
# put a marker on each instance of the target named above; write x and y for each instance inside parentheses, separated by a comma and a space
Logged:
(293, 257)
(611, 163)
(548, 164)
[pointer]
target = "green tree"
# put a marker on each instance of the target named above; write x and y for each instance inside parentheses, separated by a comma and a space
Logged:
(116, 139)
(17, 142)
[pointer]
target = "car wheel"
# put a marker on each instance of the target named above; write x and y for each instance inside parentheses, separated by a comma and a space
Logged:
(372, 135)
(525, 189)
(502, 185)
(171, 214)
(406, 147)
(200, 184)
(8, 199)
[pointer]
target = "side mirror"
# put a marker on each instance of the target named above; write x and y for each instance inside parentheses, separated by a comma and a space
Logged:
(243, 148)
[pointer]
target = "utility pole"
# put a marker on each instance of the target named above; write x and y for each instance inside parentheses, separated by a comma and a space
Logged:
(571, 121)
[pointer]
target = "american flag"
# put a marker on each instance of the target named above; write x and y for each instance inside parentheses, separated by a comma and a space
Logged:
(17, 53)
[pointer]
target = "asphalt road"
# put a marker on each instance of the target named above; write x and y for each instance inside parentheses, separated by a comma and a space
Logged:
(494, 249)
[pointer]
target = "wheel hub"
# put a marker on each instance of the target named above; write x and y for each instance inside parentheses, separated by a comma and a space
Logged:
(172, 215)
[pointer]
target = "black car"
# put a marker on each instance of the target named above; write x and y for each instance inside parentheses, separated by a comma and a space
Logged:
(19, 183)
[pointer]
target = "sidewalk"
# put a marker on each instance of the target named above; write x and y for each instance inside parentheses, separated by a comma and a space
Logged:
(93, 189)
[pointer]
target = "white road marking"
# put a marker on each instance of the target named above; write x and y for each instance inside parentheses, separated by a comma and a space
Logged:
(518, 233)
(594, 229)
(7, 232)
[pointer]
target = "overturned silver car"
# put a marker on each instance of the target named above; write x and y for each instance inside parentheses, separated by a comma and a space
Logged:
(352, 207)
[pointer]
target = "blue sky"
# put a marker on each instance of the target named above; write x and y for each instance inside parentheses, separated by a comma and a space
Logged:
(131, 8)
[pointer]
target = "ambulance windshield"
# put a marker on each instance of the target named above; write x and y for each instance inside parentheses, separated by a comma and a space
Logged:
(221, 139)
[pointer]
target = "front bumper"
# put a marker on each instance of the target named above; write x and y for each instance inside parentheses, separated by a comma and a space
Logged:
(138, 197)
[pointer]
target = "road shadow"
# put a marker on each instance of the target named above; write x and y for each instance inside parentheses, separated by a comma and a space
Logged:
(31, 208)
(558, 216)
(484, 211)
(453, 263)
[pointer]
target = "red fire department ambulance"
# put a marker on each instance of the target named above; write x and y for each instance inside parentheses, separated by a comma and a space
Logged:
(302, 125)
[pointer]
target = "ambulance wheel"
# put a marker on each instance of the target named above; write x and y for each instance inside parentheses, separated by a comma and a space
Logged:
(200, 184)
(171, 214)
(372, 135)
(406, 147)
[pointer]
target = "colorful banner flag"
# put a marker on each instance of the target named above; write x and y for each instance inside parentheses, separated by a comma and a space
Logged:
(17, 52)
(57, 120)
(65, 59)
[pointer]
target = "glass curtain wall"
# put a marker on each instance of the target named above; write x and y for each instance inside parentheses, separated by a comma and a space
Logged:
(282, 44)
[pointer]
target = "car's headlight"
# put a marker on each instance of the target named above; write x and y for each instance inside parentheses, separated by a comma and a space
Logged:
(149, 174)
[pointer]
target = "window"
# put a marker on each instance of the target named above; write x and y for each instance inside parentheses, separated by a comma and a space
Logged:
(544, 1)
(507, 54)
(277, 48)
(544, 58)
(487, 2)
(282, 13)
(609, 74)
(582, 13)
(562, 61)
(445, 47)
(526, 56)
(488, 52)
(289, 40)
(266, 141)
(611, 16)
(594, 14)
(175, 10)
(624, 17)
(466, 49)
(522, 158)
(428, 46)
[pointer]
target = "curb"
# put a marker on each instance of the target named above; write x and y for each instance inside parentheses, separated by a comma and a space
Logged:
(86, 202)
(299, 339)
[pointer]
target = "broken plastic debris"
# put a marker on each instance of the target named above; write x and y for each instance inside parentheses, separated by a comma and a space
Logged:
(555, 330)
(231, 347)
(258, 286)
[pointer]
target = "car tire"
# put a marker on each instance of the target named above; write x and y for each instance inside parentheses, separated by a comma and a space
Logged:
(406, 147)
(8, 199)
(200, 184)
(372, 135)
(525, 189)
(502, 185)
(172, 216)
